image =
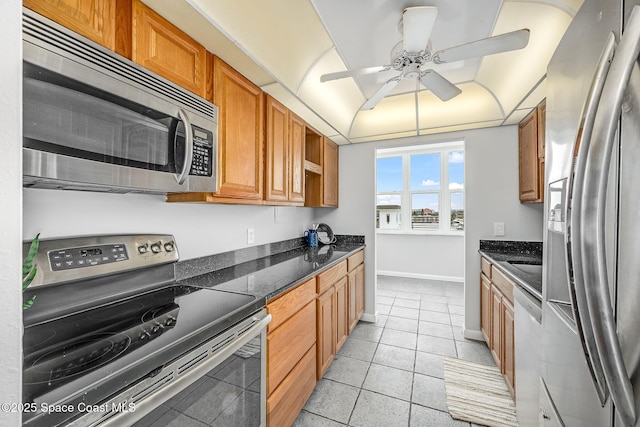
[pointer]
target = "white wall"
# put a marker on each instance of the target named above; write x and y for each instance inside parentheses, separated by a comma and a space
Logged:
(437, 257)
(491, 180)
(11, 208)
(199, 229)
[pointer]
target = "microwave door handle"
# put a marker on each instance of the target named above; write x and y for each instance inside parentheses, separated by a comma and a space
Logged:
(188, 150)
(593, 219)
(573, 247)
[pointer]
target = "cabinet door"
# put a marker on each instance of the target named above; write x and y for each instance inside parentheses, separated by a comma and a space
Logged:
(485, 309)
(508, 347)
(288, 343)
(277, 147)
(352, 300)
(95, 20)
(296, 158)
(240, 133)
(330, 174)
(359, 292)
(161, 47)
(528, 166)
(342, 312)
(285, 403)
(326, 331)
(496, 326)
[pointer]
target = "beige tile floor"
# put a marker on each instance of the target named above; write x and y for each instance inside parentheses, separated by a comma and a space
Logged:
(390, 373)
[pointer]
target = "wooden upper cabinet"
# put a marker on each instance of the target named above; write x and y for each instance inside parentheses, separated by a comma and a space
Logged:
(277, 148)
(296, 158)
(330, 174)
(240, 133)
(528, 161)
(96, 20)
(161, 47)
(284, 179)
(531, 146)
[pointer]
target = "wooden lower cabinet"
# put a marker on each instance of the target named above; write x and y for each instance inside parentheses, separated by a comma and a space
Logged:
(508, 346)
(326, 331)
(284, 404)
(496, 327)
(288, 343)
(485, 308)
(342, 312)
(497, 322)
(356, 288)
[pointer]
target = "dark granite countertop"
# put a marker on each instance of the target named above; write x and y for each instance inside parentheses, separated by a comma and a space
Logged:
(512, 257)
(266, 276)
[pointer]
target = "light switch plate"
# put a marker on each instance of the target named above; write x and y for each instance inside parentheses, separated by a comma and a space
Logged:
(250, 236)
(498, 228)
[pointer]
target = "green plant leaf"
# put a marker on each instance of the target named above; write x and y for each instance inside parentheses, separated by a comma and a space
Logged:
(28, 303)
(27, 264)
(26, 281)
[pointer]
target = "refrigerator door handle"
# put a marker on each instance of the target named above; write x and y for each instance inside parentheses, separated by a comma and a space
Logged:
(593, 219)
(573, 251)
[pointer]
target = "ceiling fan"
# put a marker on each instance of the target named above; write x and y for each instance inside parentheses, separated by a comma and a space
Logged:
(414, 51)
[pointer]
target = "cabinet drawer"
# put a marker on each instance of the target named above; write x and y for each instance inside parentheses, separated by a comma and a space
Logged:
(486, 267)
(331, 276)
(287, 344)
(286, 402)
(285, 306)
(505, 285)
(355, 260)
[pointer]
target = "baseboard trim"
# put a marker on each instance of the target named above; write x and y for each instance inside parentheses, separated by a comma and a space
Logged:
(472, 334)
(367, 317)
(420, 276)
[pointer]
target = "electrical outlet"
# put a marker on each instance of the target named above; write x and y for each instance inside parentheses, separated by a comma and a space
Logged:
(250, 236)
(498, 228)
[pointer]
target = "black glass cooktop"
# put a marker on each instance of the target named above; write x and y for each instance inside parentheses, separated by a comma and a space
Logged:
(98, 351)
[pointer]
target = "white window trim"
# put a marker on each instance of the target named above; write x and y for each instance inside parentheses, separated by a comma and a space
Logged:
(405, 195)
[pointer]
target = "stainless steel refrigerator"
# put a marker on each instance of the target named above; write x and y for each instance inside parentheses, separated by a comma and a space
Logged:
(591, 287)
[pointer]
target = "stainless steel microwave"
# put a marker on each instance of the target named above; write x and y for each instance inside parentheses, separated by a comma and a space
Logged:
(93, 120)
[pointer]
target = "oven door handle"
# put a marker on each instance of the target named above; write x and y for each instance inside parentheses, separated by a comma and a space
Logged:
(188, 149)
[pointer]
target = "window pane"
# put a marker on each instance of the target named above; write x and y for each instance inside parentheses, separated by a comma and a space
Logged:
(425, 171)
(424, 211)
(389, 174)
(388, 211)
(456, 170)
(457, 211)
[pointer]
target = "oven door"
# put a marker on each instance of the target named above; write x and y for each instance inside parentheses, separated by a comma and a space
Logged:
(222, 382)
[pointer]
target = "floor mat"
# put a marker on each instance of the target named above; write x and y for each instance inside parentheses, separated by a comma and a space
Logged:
(477, 393)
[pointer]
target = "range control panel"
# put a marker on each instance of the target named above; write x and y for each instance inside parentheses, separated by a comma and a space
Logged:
(87, 256)
(75, 258)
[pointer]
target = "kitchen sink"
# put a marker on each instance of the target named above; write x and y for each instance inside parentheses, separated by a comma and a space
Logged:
(527, 268)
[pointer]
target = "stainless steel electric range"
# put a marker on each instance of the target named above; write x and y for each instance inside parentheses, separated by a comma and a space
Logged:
(111, 335)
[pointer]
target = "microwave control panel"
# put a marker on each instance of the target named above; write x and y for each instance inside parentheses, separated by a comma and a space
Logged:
(202, 162)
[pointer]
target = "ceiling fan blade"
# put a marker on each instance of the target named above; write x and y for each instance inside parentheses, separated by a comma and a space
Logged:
(489, 46)
(381, 93)
(441, 87)
(417, 23)
(352, 73)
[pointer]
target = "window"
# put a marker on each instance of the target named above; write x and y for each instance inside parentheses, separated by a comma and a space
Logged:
(424, 184)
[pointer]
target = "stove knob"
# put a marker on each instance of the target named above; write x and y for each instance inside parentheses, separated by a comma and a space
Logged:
(144, 336)
(169, 246)
(143, 249)
(156, 328)
(156, 248)
(169, 321)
